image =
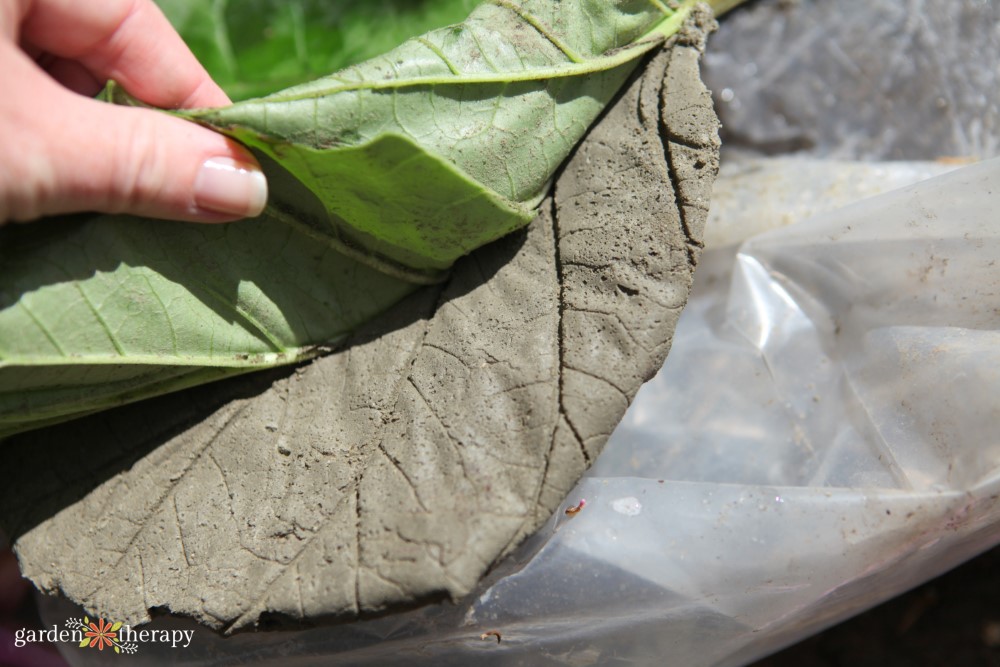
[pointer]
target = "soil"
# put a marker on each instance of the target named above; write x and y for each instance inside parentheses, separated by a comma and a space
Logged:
(953, 620)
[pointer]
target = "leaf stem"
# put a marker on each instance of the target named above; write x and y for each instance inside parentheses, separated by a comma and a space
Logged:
(674, 19)
(672, 22)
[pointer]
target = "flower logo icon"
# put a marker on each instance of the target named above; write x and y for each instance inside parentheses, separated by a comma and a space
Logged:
(100, 634)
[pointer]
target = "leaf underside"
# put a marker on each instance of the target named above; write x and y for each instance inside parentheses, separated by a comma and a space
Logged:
(502, 98)
(381, 176)
(99, 312)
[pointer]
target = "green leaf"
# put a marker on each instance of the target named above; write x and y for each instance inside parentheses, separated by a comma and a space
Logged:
(381, 176)
(99, 312)
(449, 141)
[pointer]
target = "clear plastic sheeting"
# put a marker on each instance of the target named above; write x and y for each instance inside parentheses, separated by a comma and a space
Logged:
(822, 437)
(753, 196)
(826, 425)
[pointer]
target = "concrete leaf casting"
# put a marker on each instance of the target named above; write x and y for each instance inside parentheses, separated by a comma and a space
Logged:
(399, 469)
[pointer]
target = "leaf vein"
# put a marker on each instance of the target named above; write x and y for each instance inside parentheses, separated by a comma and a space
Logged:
(440, 54)
(45, 330)
(249, 320)
(166, 313)
(104, 325)
(542, 29)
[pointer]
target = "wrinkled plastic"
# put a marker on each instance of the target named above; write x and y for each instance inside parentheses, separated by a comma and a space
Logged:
(822, 436)
(834, 413)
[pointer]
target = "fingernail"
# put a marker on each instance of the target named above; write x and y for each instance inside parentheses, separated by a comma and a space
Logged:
(225, 185)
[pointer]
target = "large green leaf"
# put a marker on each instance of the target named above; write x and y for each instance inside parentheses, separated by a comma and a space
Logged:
(100, 312)
(381, 176)
(503, 97)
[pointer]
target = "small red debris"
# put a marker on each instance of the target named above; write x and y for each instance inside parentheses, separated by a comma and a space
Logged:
(491, 633)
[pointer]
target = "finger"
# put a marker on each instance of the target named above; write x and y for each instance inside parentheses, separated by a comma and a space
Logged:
(129, 41)
(147, 163)
(71, 153)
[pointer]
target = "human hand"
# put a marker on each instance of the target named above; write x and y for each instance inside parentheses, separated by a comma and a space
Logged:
(63, 151)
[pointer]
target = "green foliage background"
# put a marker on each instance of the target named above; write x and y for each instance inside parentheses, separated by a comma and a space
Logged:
(255, 47)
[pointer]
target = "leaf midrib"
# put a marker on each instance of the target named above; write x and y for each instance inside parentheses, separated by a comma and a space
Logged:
(656, 35)
(234, 360)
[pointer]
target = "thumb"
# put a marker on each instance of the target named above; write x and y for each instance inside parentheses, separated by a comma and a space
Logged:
(113, 159)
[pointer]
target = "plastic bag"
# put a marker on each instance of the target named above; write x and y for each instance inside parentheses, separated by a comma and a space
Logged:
(834, 412)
